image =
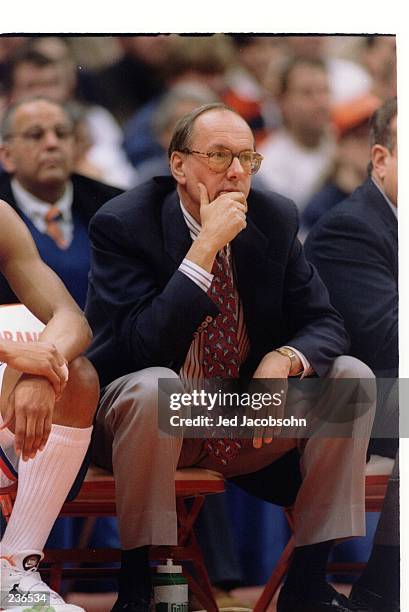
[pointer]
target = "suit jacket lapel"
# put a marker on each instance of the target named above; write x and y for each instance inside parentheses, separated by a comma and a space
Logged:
(382, 208)
(249, 249)
(176, 236)
(381, 204)
(258, 277)
(253, 266)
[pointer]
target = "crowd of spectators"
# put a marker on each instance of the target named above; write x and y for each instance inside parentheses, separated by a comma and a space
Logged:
(308, 100)
(126, 93)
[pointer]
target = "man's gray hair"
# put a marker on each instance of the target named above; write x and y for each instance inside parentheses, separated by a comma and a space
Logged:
(8, 117)
(183, 132)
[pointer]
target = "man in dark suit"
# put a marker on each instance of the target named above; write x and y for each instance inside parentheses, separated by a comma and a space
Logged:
(34, 187)
(38, 153)
(177, 263)
(355, 248)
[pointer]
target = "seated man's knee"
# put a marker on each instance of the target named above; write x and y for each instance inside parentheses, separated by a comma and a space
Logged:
(138, 397)
(357, 382)
(149, 380)
(346, 366)
(82, 391)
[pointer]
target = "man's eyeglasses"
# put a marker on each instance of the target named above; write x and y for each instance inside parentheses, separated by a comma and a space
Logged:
(35, 135)
(221, 160)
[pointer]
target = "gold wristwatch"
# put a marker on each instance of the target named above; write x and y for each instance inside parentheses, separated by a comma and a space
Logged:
(287, 352)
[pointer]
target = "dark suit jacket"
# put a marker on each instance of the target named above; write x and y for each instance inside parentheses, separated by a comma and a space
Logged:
(144, 312)
(355, 248)
(88, 196)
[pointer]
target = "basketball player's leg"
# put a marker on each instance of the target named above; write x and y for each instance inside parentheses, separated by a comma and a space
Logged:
(45, 480)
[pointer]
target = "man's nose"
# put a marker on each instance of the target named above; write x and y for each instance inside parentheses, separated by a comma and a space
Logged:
(235, 168)
(322, 99)
(51, 139)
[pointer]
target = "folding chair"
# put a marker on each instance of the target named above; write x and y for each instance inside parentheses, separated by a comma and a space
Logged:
(378, 471)
(97, 498)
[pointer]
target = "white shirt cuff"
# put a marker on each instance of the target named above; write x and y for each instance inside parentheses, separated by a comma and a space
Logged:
(307, 369)
(198, 275)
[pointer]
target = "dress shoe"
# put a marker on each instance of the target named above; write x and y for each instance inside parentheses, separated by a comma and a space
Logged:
(360, 596)
(291, 602)
(141, 605)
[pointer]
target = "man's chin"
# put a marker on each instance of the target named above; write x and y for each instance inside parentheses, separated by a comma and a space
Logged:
(53, 177)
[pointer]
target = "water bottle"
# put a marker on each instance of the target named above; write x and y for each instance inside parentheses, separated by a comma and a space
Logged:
(170, 588)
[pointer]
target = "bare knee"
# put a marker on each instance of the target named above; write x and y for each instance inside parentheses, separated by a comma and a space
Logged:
(79, 401)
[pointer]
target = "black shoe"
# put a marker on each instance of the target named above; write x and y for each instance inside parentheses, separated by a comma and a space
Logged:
(360, 596)
(291, 602)
(141, 605)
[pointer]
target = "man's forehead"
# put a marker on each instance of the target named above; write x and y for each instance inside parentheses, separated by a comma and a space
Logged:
(40, 113)
(25, 70)
(220, 127)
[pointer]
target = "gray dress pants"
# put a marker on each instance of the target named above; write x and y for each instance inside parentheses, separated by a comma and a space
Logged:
(330, 501)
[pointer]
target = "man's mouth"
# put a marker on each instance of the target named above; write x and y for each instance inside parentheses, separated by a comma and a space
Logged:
(228, 191)
(51, 162)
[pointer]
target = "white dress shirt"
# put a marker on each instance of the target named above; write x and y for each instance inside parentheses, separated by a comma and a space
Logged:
(192, 367)
(36, 209)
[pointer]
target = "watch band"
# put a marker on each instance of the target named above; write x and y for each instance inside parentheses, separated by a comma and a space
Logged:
(287, 352)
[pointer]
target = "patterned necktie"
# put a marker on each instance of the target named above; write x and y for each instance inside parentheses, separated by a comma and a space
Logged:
(220, 351)
(53, 228)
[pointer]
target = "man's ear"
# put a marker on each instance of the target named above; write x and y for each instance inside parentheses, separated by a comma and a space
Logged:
(177, 167)
(379, 158)
(6, 159)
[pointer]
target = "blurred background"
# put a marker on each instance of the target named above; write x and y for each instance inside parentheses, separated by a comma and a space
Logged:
(308, 100)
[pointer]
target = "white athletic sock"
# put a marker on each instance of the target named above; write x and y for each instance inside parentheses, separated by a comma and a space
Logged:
(43, 485)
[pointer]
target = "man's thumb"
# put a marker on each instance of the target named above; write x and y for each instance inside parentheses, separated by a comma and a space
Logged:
(204, 196)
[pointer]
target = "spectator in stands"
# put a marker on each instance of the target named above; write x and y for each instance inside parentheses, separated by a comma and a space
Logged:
(297, 158)
(178, 100)
(347, 79)
(351, 120)
(378, 55)
(32, 73)
(48, 396)
(355, 248)
(55, 203)
(199, 60)
(247, 80)
(135, 79)
(8, 47)
(158, 306)
(76, 77)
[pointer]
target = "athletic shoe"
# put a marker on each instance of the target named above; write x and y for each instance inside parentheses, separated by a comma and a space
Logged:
(22, 589)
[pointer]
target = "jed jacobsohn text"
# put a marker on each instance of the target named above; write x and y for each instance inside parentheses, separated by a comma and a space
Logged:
(245, 421)
(205, 399)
